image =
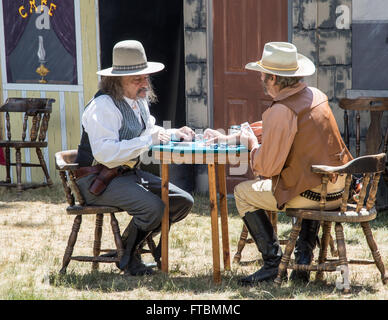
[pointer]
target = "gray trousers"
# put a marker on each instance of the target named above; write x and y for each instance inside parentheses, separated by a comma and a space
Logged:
(139, 193)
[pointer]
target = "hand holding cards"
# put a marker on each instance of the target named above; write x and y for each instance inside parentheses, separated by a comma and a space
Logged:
(248, 137)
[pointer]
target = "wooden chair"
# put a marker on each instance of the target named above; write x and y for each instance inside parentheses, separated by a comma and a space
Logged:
(371, 167)
(376, 139)
(65, 163)
(273, 217)
(37, 109)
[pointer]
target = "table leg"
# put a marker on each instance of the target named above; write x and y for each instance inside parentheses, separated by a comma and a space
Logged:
(165, 220)
(214, 223)
(224, 215)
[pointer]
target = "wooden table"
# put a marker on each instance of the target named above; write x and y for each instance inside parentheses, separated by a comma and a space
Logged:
(216, 159)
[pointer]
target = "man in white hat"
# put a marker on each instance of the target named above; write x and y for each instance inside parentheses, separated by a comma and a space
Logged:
(117, 129)
(298, 130)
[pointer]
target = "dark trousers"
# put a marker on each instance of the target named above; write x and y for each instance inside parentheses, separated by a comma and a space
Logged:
(139, 193)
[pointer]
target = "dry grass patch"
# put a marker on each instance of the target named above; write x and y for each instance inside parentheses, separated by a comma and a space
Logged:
(34, 229)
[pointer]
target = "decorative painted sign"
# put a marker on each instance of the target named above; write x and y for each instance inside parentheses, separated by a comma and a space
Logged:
(40, 43)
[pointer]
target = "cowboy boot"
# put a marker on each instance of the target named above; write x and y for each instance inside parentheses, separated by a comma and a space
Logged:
(124, 237)
(157, 254)
(266, 241)
(137, 267)
(130, 261)
(304, 248)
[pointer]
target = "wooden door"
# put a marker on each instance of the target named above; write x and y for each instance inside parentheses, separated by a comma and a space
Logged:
(241, 28)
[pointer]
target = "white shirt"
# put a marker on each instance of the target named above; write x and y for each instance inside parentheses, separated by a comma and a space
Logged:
(133, 104)
(102, 121)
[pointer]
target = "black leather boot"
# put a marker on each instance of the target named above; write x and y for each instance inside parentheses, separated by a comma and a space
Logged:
(304, 248)
(130, 261)
(157, 254)
(158, 250)
(266, 241)
(124, 237)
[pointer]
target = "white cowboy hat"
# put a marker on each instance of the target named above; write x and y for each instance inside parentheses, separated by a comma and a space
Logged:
(282, 59)
(129, 58)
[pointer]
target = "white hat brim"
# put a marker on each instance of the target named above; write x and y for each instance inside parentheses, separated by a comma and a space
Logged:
(152, 67)
(305, 68)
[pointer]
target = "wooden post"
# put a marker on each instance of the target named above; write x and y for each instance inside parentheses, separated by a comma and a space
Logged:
(165, 220)
(224, 215)
(214, 223)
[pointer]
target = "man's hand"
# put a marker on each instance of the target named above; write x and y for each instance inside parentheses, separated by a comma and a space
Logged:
(248, 140)
(222, 138)
(160, 136)
(185, 133)
(213, 136)
(211, 133)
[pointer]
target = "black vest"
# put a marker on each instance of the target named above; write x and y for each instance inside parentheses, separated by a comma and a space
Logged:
(130, 128)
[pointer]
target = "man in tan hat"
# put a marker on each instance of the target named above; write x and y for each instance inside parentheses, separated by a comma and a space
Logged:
(117, 129)
(298, 130)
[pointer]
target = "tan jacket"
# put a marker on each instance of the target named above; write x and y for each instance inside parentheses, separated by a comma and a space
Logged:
(317, 141)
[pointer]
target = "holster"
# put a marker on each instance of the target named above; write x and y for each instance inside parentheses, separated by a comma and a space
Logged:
(103, 179)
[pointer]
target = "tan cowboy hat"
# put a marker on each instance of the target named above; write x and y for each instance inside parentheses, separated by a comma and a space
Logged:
(282, 59)
(129, 58)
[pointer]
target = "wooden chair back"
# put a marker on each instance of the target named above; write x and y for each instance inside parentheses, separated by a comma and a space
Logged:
(65, 163)
(371, 166)
(37, 108)
(377, 136)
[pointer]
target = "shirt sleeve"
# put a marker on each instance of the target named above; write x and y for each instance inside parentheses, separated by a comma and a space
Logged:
(279, 128)
(102, 122)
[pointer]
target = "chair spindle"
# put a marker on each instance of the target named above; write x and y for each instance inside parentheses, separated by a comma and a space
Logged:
(325, 180)
(345, 196)
(362, 195)
(373, 191)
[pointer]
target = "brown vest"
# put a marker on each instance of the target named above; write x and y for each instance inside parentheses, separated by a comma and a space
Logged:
(317, 141)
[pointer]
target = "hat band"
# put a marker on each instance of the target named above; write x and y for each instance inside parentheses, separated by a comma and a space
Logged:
(130, 68)
(277, 69)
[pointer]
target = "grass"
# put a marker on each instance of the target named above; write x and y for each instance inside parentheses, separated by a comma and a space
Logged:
(34, 230)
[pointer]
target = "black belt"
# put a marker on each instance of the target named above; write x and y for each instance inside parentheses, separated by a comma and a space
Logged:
(317, 196)
(124, 169)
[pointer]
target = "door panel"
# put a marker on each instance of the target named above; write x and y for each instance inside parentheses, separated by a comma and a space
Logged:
(241, 28)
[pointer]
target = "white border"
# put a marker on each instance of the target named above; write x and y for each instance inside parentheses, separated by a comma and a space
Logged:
(27, 152)
(62, 114)
(42, 87)
(46, 150)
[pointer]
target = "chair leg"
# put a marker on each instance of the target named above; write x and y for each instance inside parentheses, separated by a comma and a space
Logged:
(19, 170)
(339, 234)
(241, 244)
(333, 250)
(151, 245)
(325, 240)
(97, 238)
(116, 233)
(375, 252)
(70, 243)
(288, 251)
(8, 165)
(44, 166)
